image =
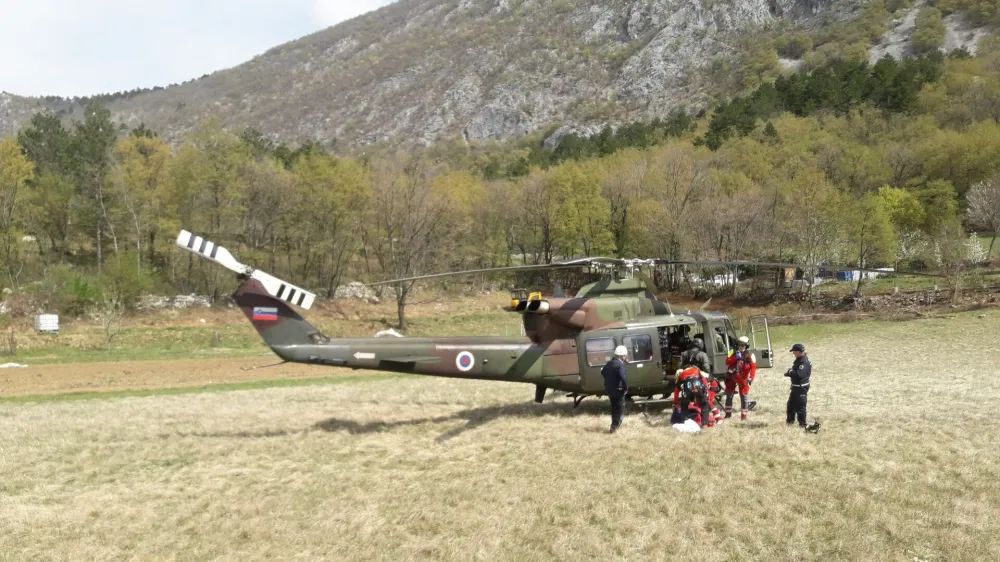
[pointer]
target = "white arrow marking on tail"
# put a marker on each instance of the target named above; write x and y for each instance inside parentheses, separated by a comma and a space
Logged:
(361, 355)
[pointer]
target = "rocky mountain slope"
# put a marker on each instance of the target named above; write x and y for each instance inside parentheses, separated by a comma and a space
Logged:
(420, 70)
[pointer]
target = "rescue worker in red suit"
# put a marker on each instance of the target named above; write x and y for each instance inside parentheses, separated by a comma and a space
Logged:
(689, 381)
(742, 370)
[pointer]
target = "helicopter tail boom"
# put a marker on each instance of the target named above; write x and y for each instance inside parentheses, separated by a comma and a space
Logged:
(511, 359)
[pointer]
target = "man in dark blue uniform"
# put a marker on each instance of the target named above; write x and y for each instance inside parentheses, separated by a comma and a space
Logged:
(616, 385)
(799, 375)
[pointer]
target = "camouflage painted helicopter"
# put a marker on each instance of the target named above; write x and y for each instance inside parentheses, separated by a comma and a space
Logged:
(566, 343)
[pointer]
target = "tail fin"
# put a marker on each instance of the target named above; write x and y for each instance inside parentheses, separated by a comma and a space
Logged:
(263, 298)
(274, 320)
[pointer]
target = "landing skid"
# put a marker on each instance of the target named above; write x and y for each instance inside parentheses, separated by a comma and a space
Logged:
(263, 366)
(577, 399)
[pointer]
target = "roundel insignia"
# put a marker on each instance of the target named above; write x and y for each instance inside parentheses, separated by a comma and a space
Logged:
(465, 361)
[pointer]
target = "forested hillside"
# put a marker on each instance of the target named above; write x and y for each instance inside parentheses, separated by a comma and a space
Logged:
(891, 163)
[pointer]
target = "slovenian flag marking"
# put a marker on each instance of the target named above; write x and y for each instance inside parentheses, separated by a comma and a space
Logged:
(265, 313)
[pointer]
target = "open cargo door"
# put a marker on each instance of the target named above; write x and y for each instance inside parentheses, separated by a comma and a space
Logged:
(765, 355)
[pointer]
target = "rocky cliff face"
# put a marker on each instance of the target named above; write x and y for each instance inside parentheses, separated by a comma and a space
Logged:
(420, 70)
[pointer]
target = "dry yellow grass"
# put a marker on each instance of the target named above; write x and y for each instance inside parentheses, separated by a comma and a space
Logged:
(907, 466)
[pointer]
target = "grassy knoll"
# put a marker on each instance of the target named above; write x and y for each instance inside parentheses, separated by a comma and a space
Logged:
(413, 468)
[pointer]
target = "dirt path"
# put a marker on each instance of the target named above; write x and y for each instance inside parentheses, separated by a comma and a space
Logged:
(135, 375)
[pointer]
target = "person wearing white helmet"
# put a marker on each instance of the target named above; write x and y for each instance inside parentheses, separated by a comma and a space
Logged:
(616, 385)
(742, 370)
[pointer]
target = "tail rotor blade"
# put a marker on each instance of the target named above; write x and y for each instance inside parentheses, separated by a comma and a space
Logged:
(275, 287)
(284, 291)
(211, 251)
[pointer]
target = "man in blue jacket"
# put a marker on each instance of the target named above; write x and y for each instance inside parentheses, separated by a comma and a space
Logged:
(616, 385)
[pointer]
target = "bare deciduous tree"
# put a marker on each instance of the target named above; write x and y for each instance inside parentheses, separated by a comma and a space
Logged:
(622, 185)
(409, 222)
(984, 207)
(950, 251)
(110, 311)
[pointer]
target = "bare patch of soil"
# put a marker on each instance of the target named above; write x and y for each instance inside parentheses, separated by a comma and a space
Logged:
(141, 375)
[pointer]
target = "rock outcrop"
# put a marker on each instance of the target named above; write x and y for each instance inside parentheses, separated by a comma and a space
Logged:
(419, 70)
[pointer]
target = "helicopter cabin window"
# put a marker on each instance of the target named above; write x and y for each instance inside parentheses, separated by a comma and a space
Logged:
(732, 335)
(599, 351)
(698, 333)
(640, 348)
(721, 343)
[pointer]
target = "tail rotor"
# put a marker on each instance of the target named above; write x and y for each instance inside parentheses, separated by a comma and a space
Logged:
(275, 287)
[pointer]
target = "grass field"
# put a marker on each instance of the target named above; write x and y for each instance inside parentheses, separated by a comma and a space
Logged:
(905, 467)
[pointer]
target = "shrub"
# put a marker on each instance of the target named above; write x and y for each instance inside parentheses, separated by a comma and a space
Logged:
(124, 281)
(794, 46)
(928, 35)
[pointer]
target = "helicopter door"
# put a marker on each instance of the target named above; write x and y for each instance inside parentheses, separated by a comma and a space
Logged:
(644, 367)
(719, 345)
(596, 351)
(641, 369)
(765, 355)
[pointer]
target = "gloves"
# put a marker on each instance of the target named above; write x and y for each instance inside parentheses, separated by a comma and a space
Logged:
(738, 355)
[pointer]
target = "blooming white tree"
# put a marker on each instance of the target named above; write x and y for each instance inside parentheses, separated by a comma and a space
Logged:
(974, 250)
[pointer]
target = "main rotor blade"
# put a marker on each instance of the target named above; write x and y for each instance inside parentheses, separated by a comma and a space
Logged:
(638, 262)
(581, 262)
(710, 263)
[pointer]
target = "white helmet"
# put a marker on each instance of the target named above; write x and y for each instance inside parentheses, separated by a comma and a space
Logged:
(745, 341)
(620, 351)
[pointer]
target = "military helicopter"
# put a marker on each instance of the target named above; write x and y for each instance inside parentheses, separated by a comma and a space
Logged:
(566, 343)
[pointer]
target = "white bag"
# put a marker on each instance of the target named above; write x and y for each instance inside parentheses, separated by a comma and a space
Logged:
(689, 426)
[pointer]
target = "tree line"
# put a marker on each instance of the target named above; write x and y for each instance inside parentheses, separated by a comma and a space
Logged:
(891, 164)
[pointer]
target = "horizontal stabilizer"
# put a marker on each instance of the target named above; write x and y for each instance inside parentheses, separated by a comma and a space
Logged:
(274, 286)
